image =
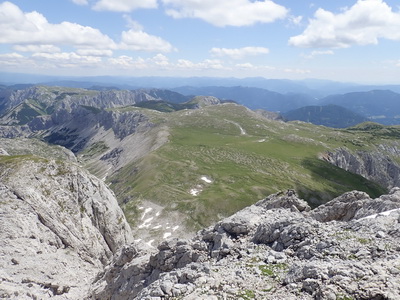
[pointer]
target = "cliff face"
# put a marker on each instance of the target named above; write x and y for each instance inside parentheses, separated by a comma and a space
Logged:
(59, 97)
(275, 249)
(376, 166)
(59, 227)
(85, 128)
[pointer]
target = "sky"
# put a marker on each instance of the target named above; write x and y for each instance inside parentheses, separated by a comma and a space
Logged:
(357, 41)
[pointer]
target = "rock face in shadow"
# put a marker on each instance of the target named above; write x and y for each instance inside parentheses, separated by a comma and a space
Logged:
(275, 249)
(376, 166)
(59, 227)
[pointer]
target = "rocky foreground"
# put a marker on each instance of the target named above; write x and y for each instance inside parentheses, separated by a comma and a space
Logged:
(59, 226)
(63, 236)
(275, 249)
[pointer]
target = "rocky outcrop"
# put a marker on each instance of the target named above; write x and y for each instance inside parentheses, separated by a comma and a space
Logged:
(355, 205)
(275, 249)
(269, 115)
(66, 98)
(22, 146)
(59, 227)
(376, 166)
(201, 101)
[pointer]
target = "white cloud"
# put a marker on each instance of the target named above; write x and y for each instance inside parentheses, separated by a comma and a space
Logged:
(227, 12)
(296, 20)
(296, 71)
(49, 61)
(156, 62)
(124, 5)
(161, 60)
(364, 23)
(81, 2)
(127, 62)
(132, 24)
(72, 63)
(67, 59)
(317, 53)
(249, 66)
(37, 48)
(31, 32)
(15, 60)
(32, 28)
(238, 53)
(246, 66)
(207, 64)
(94, 52)
(11, 55)
(142, 41)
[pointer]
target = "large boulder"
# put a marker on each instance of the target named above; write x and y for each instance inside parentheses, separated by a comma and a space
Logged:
(59, 227)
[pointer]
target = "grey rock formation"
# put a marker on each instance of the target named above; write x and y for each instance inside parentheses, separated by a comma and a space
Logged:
(377, 166)
(275, 249)
(78, 120)
(66, 98)
(356, 205)
(59, 227)
(23, 146)
(269, 115)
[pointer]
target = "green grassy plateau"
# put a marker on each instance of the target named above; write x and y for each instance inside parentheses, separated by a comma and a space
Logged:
(233, 157)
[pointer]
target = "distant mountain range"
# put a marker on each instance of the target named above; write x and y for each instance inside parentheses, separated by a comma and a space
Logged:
(316, 88)
(329, 115)
(381, 104)
(253, 98)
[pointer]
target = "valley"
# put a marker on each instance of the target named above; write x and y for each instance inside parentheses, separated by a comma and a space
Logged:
(152, 158)
(169, 169)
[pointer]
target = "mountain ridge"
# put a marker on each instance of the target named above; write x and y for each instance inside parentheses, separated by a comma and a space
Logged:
(175, 172)
(330, 115)
(195, 166)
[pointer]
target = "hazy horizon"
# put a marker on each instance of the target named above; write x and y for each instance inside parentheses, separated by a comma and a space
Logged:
(345, 41)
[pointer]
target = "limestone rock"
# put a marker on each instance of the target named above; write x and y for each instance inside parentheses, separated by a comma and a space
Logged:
(355, 205)
(59, 227)
(275, 249)
(377, 166)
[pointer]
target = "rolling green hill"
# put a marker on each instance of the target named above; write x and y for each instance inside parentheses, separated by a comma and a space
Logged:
(219, 159)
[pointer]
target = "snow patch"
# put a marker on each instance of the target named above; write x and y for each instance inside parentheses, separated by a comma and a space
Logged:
(166, 235)
(146, 223)
(194, 192)
(149, 243)
(381, 214)
(206, 179)
(147, 210)
(175, 228)
(261, 141)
